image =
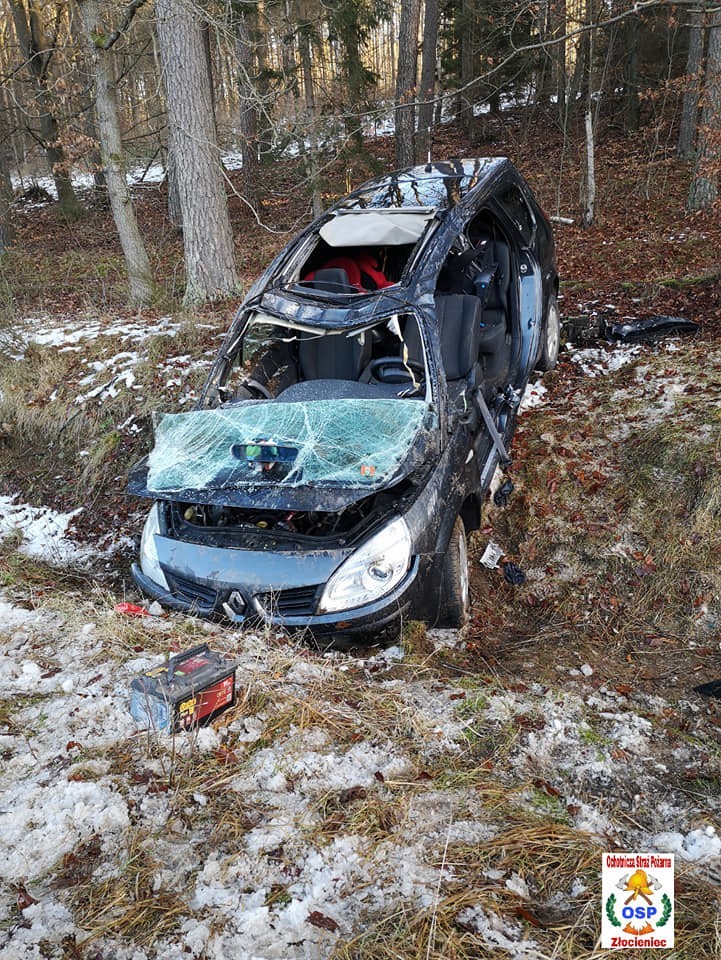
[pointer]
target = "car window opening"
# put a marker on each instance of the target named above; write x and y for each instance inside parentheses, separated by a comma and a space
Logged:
(357, 269)
(384, 361)
(346, 441)
(359, 251)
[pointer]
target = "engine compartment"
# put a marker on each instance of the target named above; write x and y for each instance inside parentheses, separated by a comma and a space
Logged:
(242, 528)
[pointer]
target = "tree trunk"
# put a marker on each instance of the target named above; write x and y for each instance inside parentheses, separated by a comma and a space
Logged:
(428, 76)
(140, 275)
(207, 238)
(406, 82)
(466, 43)
(175, 211)
(244, 46)
(589, 191)
(304, 44)
(7, 233)
(93, 156)
(33, 46)
(704, 186)
(631, 85)
(689, 110)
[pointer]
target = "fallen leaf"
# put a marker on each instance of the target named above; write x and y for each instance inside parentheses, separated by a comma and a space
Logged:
(528, 917)
(353, 793)
(318, 919)
(545, 787)
(23, 899)
(225, 755)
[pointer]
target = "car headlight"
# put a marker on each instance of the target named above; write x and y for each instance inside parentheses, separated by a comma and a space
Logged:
(371, 571)
(149, 563)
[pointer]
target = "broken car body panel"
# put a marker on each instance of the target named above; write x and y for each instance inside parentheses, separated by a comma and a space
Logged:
(359, 405)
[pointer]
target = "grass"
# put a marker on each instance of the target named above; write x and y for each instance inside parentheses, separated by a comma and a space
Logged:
(631, 517)
(85, 449)
(129, 905)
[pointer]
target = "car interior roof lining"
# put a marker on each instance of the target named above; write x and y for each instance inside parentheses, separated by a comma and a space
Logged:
(392, 227)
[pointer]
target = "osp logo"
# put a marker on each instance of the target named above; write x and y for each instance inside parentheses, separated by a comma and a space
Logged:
(637, 893)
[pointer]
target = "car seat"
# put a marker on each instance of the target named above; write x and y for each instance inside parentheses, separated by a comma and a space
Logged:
(496, 295)
(333, 357)
(459, 316)
(332, 279)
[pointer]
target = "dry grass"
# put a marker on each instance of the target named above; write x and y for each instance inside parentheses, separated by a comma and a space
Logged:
(550, 922)
(130, 905)
(82, 449)
(618, 528)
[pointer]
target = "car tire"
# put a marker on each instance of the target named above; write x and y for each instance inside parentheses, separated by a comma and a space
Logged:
(550, 336)
(455, 593)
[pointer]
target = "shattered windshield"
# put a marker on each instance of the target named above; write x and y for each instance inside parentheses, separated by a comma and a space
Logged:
(353, 442)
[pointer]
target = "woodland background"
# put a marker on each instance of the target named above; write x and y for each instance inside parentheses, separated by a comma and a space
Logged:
(99, 86)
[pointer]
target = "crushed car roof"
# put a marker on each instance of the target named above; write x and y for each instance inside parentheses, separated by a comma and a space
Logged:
(432, 185)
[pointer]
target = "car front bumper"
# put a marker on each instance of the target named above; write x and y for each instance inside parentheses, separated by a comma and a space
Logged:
(293, 607)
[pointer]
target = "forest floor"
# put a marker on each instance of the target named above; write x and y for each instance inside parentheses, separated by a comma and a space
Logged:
(450, 796)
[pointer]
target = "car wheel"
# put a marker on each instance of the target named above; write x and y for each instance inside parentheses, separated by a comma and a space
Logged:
(455, 594)
(550, 336)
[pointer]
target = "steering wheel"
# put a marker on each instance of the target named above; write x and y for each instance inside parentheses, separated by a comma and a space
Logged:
(395, 370)
(249, 390)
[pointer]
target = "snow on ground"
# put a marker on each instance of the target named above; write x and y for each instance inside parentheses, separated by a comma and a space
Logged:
(598, 362)
(109, 371)
(47, 535)
(342, 791)
(67, 333)
(333, 820)
(534, 396)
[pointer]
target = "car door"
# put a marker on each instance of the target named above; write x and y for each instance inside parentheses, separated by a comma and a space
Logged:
(515, 209)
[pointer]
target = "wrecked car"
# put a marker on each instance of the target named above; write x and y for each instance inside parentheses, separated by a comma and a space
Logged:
(365, 393)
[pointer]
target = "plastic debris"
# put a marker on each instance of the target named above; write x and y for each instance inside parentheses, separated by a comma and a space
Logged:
(582, 329)
(513, 574)
(650, 328)
(711, 689)
(491, 555)
(500, 497)
(131, 610)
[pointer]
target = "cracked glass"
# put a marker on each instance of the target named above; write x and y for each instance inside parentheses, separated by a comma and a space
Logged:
(350, 442)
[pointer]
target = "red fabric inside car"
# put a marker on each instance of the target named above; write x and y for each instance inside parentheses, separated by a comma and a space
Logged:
(362, 269)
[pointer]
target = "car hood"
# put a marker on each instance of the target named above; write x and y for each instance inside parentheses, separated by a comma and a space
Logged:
(314, 455)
